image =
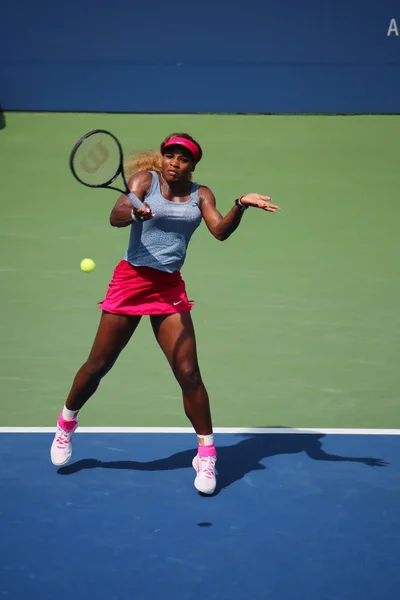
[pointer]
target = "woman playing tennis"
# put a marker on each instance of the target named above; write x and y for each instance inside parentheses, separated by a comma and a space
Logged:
(148, 282)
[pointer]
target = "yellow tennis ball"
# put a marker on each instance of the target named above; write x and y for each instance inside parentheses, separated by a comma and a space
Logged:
(87, 265)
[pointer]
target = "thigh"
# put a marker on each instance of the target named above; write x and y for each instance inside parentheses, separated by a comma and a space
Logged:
(176, 337)
(113, 333)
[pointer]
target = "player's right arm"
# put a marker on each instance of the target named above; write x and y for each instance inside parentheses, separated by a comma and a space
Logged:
(121, 215)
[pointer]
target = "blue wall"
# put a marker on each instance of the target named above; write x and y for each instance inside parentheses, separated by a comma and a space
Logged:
(214, 56)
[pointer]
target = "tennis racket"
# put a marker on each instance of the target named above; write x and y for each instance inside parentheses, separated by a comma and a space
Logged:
(97, 161)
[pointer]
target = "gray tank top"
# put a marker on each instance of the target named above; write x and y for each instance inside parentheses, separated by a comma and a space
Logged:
(161, 242)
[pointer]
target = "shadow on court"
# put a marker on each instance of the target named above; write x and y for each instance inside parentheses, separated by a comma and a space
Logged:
(2, 119)
(235, 461)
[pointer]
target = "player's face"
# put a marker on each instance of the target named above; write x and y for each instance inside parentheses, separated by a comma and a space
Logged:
(177, 164)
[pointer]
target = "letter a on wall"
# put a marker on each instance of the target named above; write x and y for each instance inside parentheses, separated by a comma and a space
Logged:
(393, 28)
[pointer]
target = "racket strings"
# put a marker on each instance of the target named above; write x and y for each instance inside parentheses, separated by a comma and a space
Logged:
(97, 159)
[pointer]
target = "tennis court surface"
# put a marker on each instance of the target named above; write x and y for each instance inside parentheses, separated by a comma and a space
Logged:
(296, 515)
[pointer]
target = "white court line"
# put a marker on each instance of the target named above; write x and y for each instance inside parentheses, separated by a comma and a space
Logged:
(222, 430)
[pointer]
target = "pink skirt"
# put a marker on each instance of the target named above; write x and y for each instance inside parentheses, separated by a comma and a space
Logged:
(145, 291)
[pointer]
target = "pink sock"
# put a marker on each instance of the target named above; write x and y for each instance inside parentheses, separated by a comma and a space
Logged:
(66, 425)
(205, 451)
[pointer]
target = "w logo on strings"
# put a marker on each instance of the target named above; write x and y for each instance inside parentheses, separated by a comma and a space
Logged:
(96, 157)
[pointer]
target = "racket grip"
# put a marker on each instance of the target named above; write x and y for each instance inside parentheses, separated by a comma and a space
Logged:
(134, 200)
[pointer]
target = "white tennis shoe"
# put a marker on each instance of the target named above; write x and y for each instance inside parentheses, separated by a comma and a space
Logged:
(204, 466)
(61, 448)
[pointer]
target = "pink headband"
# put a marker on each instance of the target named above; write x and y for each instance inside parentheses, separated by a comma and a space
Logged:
(191, 146)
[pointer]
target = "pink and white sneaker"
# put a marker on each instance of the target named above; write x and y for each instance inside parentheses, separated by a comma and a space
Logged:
(61, 448)
(204, 466)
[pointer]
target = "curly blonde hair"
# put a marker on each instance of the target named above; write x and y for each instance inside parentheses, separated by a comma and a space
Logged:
(151, 160)
(146, 160)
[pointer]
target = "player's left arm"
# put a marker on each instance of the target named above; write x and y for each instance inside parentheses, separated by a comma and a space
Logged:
(222, 227)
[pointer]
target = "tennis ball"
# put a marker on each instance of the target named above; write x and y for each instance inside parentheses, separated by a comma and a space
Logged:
(87, 265)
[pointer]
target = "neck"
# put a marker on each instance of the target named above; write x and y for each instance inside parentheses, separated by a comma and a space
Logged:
(177, 187)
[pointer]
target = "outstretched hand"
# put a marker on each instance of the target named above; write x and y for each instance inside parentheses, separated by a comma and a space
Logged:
(263, 202)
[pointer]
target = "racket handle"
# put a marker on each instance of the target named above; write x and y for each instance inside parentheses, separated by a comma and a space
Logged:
(134, 200)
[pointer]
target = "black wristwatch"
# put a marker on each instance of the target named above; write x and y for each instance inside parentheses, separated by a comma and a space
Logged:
(240, 205)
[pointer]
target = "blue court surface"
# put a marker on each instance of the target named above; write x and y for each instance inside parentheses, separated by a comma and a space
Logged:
(295, 516)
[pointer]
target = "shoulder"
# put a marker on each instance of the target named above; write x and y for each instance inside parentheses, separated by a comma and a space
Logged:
(206, 196)
(140, 181)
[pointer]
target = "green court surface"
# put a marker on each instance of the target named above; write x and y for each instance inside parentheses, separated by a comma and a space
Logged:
(297, 314)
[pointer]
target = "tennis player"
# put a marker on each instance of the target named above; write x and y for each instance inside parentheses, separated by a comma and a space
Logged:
(148, 282)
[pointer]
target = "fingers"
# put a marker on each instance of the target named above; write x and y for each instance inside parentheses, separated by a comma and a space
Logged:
(266, 204)
(269, 207)
(144, 214)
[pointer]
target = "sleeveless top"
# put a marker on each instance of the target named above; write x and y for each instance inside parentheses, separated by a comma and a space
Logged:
(161, 242)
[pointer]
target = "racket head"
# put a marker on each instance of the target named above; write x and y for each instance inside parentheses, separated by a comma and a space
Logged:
(97, 160)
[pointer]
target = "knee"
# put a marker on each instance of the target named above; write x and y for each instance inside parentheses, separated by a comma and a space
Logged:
(189, 376)
(98, 367)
